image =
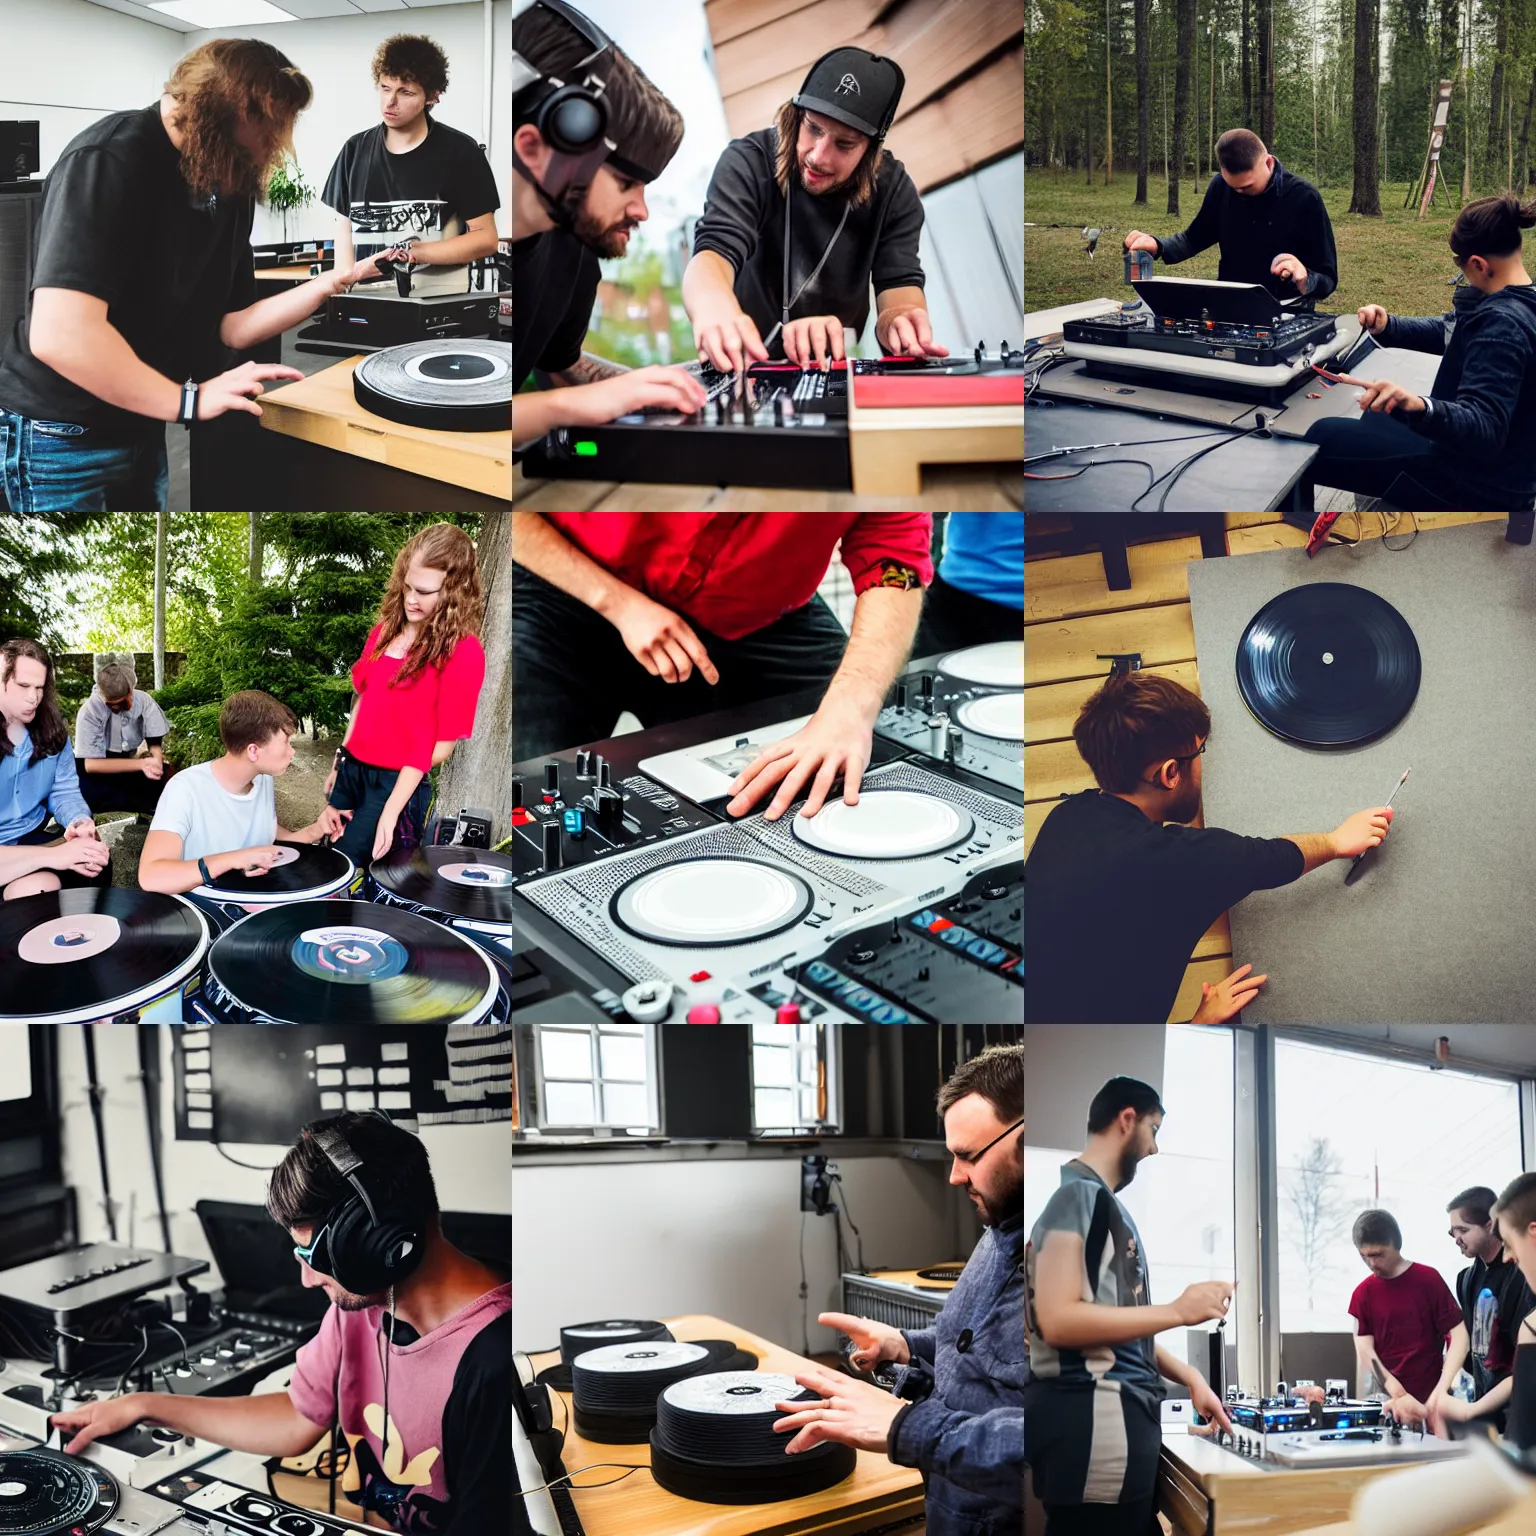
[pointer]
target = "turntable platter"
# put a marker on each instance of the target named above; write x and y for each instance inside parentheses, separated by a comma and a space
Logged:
(43, 1493)
(999, 715)
(885, 824)
(999, 665)
(712, 901)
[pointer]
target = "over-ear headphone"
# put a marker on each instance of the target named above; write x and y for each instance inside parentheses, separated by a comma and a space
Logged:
(570, 115)
(368, 1241)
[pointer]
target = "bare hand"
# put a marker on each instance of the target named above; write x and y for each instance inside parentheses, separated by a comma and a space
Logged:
(836, 739)
(726, 337)
(384, 835)
(257, 861)
(82, 826)
(662, 642)
(1363, 831)
(237, 389)
(1225, 999)
(1207, 1404)
(367, 270)
(332, 823)
(850, 1412)
(1381, 395)
(80, 855)
(1205, 1301)
(908, 333)
(152, 767)
(1136, 241)
(817, 339)
(93, 1420)
(609, 399)
(872, 1342)
(1288, 266)
(1407, 1409)
(1372, 318)
(330, 784)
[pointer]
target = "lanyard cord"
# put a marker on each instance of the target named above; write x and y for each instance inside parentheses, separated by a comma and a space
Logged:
(789, 302)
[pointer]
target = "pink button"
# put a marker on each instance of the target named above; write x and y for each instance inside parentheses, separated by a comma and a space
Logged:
(705, 1013)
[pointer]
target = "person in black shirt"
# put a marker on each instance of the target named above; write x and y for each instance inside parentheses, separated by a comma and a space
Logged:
(1515, 1212)
(1494, 1298)
(413, 187)
(821, 185)
(1272, 226)
(144, 281)
(589, 131)
(1118, 899)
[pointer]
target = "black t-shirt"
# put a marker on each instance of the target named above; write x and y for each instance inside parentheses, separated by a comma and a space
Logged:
(743, 220)
(554, 281)
(119, 222)
(429, 193)
(1491, 1348)
(1117, 904)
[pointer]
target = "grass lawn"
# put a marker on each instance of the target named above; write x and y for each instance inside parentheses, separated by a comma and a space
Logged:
(1395, 261)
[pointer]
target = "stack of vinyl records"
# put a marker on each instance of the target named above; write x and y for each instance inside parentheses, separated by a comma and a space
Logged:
(615, 1388)
(714, 1441)
(580, 1337)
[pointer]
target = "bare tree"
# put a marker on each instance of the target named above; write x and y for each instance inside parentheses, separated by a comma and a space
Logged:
(1183, 98)
(1143, 96)
(1320, 1212)
(257, 549)
(1366, 198)
(1264, 22)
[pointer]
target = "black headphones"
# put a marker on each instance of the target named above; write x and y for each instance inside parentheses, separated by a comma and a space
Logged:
(572, 116)
(366, 1243)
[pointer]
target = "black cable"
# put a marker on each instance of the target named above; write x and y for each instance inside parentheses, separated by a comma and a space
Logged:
(1152, 475)
(859, 1235)
(1179, 468)
(805, 1326)
(122, 1380)
(590, 1467)
(254, 1167)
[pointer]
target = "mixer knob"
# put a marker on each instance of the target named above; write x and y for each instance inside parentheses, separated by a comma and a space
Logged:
(552, 845)
(604, 773)
(926, 687)
(778, 410)
(787, 1013)
(551, 782)
(860, 956)
(952, 743)
(610, 810)
(722, 415)
(704, 1013)
(895, 937)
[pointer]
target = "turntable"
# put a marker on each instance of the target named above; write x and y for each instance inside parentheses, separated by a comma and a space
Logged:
(452, 386)
(302, 872)
(463, 887)
(1328, 665)
(46, 1493)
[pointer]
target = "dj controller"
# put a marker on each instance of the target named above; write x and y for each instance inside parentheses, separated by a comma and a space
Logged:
(1284, 1433)
(776, 424)
(654, 904)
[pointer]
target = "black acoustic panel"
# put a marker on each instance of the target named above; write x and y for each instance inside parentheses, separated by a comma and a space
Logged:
(706, 1082)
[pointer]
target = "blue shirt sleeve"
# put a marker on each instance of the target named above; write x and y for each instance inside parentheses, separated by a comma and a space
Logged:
(980, 1452)
(64, 798)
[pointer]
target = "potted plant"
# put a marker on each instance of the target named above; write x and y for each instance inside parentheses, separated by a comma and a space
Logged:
(287, 190)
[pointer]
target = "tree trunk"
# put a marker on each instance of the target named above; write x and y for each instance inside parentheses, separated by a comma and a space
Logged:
(1244, 6)
(1367, 192)
(162, 528)
(1496, 84)
(1109, 106)
(1183, 98)
(1265, 21)
(479, 774)
(1525, 135)
(258, 547)
(1143, 96)
(1087, 142)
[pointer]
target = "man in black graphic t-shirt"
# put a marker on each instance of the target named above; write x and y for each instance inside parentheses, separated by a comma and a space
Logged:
(414, 186)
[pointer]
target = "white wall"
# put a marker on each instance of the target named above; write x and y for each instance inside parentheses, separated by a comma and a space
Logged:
(469, 1162)
(661, 1239)
(67, 63)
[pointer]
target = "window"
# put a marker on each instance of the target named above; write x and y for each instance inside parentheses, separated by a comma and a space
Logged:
(792, 1082)
(592, 1076)
(15, 1062)
(1357, 1131)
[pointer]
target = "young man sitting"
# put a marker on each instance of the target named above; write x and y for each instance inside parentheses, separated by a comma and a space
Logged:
(222, 815)
(111, 727)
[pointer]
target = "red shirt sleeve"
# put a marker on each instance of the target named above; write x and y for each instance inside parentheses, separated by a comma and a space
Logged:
(1360, 1309)
(459, 691)
(361, 665)
(881, 539)
(1447, 1308)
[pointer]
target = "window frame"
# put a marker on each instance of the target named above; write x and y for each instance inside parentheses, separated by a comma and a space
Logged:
(827, 1063)
(534, 1109)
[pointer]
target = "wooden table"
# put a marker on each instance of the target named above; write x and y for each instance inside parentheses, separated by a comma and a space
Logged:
(1519, 1521)
(879, 1492)
(890, 446)
(318, 450)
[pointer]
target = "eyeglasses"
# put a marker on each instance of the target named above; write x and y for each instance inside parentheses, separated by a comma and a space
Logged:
(307, 1255)
(975, 1158)
(1187, 757)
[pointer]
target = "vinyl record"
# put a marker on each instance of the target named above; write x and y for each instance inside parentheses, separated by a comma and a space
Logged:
(885, 824)
(580, 1337)
(75, 956)
(45, 1493)
(616, 1387)
(999, 665)
(998, 715)
(1328, 665)
(462, 384)
(349, 962)
(698, 903)
(471, 883)
(305, 870)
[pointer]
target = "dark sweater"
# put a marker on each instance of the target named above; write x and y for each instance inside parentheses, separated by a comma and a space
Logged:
(1117, 904)
(1286, 218)
(1486, 383)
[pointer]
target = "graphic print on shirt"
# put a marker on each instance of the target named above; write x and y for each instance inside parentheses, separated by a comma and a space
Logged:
(418, 216)
(398, 1489)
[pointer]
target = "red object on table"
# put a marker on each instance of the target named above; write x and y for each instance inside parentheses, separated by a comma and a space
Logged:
(877, 392)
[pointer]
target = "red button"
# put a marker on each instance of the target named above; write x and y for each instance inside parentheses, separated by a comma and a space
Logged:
(699, 976)
(939, 924)
(789, 1013)
(521, 817)
(705, 1013)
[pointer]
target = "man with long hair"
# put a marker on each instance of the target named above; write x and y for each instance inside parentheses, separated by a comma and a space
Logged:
(821, 185)
(411, 184)
(37, 776)
(145, 283)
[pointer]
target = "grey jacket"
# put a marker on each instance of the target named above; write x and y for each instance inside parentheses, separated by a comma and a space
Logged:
(965, 1428)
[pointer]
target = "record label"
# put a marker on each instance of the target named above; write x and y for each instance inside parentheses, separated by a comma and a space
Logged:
(300, 871)
(450, 882)
(354, 955)
(66, 939)
(475, 876)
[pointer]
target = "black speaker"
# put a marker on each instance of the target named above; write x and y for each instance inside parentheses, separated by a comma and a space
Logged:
(21, 207)
(20, 150)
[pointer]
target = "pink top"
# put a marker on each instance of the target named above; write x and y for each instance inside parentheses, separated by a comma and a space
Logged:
(398, 727)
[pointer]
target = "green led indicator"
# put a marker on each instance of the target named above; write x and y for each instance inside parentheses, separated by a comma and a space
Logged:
(586, 450)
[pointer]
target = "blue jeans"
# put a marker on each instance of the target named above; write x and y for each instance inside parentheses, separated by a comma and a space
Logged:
(58, 466)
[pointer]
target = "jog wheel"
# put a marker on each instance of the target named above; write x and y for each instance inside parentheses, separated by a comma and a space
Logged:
(459, 385)
(44, 1493)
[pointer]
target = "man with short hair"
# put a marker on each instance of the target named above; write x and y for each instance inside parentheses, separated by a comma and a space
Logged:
(413, 188)
(1270, 223)
(1118, 897)
(1494, 1298)
(1092, 1406)
(1515, 1213)
(415, 1371)
(222, 815)
(1403, 1313)
(821, 183)
(957, 1412)
(119, 731)
(573, 202)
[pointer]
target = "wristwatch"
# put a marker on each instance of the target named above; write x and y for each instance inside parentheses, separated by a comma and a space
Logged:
(188, 412)
(202, 869)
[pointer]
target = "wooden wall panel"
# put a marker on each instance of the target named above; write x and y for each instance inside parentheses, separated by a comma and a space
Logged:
(981, 120)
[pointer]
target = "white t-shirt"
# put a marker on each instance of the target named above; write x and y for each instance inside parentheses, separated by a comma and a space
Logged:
(208, 819)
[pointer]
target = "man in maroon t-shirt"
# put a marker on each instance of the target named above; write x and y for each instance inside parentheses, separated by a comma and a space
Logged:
(1403, 1312)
